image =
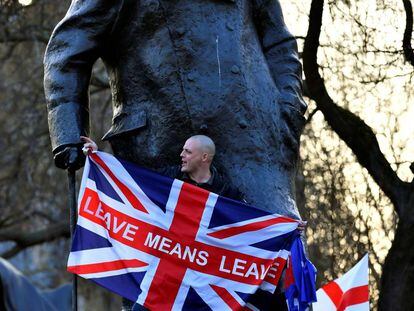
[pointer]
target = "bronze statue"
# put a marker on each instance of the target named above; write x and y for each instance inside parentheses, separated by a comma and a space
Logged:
(225, 68)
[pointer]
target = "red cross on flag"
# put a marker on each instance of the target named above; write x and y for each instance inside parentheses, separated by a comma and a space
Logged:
(349, 292)
(169, 245)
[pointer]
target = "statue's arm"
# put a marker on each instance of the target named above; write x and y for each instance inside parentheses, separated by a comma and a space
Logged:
(76, 43)
(281, 52)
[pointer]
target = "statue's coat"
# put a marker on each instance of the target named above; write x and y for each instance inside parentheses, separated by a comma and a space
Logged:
(228, 69)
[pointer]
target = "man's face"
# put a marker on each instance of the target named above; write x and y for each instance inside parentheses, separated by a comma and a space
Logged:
(191, 156)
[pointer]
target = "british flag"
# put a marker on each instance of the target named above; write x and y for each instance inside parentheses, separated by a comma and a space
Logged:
(169, 245)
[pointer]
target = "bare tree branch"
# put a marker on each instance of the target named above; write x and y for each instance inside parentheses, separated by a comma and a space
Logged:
(408, 51)
(26, 239)
(11, 252)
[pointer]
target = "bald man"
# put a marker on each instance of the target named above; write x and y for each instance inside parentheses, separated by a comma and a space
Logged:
(196, 168)
(196, 158)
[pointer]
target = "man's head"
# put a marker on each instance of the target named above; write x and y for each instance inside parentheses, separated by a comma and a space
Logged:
(198, 153)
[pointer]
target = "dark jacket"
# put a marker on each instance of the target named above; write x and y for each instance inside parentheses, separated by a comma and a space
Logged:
(218, 183)
(229, 68)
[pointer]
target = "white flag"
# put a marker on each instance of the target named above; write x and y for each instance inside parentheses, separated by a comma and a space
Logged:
(349, 292)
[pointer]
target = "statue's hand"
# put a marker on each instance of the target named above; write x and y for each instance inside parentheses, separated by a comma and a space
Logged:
(70, 157)
(291, 128)
(294, 121)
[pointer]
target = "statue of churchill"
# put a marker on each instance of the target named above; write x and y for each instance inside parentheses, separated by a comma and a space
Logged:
(225, 68)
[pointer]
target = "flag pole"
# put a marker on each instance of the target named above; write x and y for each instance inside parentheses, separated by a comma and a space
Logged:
(73, 213)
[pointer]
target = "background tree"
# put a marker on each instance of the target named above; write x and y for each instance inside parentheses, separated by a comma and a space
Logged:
(353, 68)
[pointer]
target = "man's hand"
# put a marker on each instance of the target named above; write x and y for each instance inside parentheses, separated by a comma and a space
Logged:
(89, 145)
(291, 128)
(70, 157)
(302, 226)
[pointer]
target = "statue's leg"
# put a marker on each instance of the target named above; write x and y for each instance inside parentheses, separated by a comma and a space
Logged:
(266, 301)
(128, 305)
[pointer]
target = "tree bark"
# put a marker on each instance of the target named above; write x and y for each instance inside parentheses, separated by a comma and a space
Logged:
(27, 239)
(397, 277)
(408, 51)
(397, 281)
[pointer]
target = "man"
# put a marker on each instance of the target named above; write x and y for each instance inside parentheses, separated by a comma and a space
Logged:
(196, 166)
(225, 68)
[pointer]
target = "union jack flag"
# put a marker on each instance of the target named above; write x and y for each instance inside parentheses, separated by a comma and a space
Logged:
(169, 245)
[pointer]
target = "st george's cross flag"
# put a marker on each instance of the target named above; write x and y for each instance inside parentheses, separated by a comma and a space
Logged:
(350, 292)
(169, 245)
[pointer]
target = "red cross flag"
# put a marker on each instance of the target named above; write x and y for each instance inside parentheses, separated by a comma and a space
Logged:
(349, 292)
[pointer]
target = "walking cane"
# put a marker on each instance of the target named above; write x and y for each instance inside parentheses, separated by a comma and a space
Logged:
(73, 213)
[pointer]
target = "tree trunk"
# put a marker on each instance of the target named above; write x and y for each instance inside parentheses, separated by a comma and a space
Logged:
(397, 281)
